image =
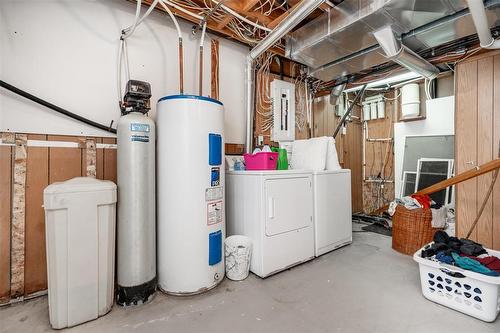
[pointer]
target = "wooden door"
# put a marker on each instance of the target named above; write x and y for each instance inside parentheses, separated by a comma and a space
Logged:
(477, 133)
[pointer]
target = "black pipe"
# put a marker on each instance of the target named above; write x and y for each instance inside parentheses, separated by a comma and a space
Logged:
(56, 108)
(348, 112)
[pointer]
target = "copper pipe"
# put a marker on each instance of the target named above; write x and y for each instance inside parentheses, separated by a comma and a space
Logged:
(181, 68)
(200, 84)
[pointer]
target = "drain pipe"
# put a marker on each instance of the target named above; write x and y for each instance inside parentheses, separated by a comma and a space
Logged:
(476, 8)
(403, 55)
(297, 14)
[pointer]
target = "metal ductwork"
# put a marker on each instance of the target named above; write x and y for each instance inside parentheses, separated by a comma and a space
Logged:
(404, 56)
(342, 40)
(336, 92)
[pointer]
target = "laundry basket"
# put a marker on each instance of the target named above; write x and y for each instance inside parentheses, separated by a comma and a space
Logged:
(475, 294)
(238, 251)
(411, 229)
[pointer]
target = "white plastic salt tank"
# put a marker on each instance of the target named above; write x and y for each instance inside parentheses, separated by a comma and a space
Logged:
(80, 216)
(190, 188)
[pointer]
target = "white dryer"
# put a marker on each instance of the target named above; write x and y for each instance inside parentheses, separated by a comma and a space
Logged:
(275, 209)
(332, 210)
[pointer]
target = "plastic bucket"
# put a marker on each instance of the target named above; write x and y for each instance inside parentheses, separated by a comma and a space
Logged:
(261, 161)
(238, 251)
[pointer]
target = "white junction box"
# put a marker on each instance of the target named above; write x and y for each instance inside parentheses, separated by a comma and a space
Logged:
(275, 210)
(283, 104)
(80, 219)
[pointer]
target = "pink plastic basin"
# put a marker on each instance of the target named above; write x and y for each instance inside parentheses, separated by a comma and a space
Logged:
(261, 161)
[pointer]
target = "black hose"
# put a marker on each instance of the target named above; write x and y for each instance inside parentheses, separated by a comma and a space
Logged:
(56, 108)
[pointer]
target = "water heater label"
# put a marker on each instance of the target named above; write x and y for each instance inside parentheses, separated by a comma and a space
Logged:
(214, 212)
(138, 127)
(214, 193)
(215, 176)
(139, 138)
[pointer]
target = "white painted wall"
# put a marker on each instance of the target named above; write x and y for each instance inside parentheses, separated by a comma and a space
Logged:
(66, 52)
(440, 120)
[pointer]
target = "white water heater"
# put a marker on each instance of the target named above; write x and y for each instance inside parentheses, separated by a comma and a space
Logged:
(136, 234)
(191, 218)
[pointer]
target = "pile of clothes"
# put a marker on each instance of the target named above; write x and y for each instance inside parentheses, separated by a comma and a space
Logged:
(463, 253)
(439, 213)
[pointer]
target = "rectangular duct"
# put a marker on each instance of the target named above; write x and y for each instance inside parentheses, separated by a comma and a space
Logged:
(341, 41)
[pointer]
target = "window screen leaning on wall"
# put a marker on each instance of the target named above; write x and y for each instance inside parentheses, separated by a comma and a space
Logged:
(429, 146)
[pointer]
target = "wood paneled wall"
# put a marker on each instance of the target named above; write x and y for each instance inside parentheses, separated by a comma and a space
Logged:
(366, 197)
(44, 165)
(348, 145)
(477, 140)
(379, 159)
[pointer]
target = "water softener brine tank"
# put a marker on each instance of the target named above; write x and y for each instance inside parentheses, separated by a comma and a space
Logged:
(136, 228)
(191, 220)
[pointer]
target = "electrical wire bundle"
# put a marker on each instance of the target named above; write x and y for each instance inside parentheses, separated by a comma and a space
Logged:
(242, 27)
(272, 6)
(263, 100)
(301, 107)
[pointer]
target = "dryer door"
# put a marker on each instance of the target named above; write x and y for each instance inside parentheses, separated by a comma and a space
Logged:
(288, 204)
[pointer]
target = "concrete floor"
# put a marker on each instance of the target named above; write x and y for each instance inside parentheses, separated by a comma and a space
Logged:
(364, 287)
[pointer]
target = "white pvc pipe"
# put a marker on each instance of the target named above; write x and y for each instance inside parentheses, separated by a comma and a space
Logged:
(119, 71)
(203, 29)
(128, 31)
(202, 40)
(177, 27)
(476, 8)
(136, 20)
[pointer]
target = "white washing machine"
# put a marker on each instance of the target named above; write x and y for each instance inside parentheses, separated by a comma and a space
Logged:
(275, 209)
(332, 210)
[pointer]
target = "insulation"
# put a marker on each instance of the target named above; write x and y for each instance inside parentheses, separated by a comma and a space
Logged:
(18, 217)
(91, 158)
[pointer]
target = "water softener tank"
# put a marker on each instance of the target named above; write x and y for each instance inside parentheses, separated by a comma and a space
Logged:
(191, 219)
(136, 234)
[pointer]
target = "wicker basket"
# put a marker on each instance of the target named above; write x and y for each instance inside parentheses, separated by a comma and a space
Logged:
(411, 229)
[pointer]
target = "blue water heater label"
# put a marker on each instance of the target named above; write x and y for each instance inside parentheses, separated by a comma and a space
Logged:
(138, 127)
(214, 149)
(215, 248)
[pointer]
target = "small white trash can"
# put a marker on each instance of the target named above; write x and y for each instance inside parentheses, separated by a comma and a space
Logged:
(238, 251)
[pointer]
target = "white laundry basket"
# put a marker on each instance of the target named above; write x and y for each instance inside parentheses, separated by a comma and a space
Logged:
(238, 251)
(475, 294)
